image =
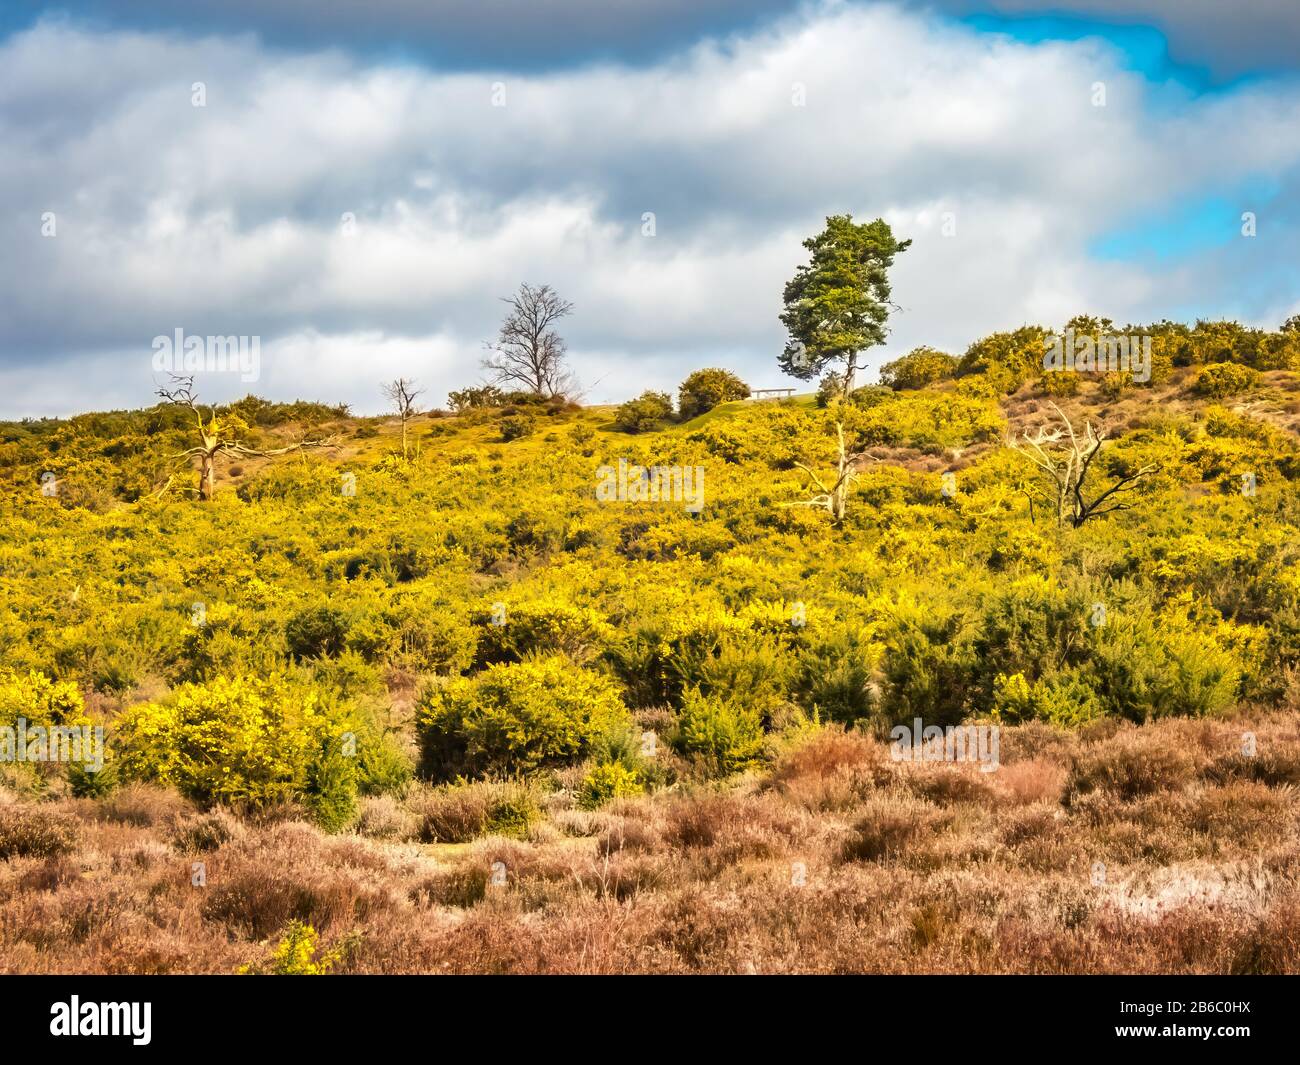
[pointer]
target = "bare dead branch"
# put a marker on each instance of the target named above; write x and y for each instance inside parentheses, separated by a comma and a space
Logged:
(1067, 460)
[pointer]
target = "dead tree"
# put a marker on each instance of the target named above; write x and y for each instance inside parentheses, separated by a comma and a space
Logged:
(219, 436)
(834, 497)
(402, 394)
(1066, 461)
(528, 353)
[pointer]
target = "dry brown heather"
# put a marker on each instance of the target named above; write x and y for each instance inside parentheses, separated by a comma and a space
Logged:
(909, 869)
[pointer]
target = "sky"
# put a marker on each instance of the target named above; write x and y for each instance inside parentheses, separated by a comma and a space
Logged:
(357, 184)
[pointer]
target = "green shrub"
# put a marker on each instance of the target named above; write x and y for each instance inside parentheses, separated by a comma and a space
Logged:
(349, 675)
(1148, 667)
(606, 782)
(515, 718)
(541, 627)
(830, 388)
(993, 383)
(39, 700)
(1222, 341)
(1066, 700)
(296, 955)
(231, 639)
(85, 784)
(1007, 359)
(513, 814)
(837, 675)
(927, 664)
(719, 735)
(232, 741)
(1061, 383)
(756, 670)
(770, 433)
(383, 766)
(919, 367)
(705, 389)
(317, 632)
(643, 414)
(516, 427)
(1226, 379)
(1115, 383)
(432, 635)
(1027, 626)
(927, 420)
(331, 786)
(868, 396)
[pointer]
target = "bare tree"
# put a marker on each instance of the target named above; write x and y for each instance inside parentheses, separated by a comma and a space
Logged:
(1066, 460)
(833, 496)
(402, 394)
(528, 352)
(219, 436)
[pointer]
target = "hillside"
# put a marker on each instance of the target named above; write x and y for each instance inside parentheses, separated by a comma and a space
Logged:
(461, 711)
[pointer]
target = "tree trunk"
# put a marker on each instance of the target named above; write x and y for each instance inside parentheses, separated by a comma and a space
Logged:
(840, 493)
(207, 477)
(850, 371)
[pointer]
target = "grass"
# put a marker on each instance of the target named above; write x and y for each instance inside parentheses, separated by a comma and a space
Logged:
(726, 411)
(1155, 848)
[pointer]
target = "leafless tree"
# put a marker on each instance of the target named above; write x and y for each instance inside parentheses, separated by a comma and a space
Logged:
(1067, 459)
(528, 353)
(833, 496)
(402, 394)
(219, 436)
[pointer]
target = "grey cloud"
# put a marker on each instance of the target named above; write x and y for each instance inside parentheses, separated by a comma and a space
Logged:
(226, 219)
(450, 33)
(1229, 39)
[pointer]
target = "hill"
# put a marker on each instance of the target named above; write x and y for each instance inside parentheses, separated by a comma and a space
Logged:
(487, 707)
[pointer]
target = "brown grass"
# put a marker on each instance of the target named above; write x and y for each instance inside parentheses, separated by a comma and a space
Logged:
(1158, 849)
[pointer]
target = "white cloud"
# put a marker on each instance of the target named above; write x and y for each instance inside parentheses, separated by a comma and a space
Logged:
(227, 219)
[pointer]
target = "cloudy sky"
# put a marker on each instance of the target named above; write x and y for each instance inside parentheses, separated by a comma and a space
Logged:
(366, 178)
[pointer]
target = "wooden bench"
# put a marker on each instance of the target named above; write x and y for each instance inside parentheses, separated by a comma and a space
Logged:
(774, 393)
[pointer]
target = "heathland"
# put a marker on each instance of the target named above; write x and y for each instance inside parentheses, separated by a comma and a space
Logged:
(460, 695)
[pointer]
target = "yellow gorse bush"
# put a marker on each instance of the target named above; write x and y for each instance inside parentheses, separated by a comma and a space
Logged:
(517, 717)
(240, 740)
(720, 627)
(40, 700)
(296, 955)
